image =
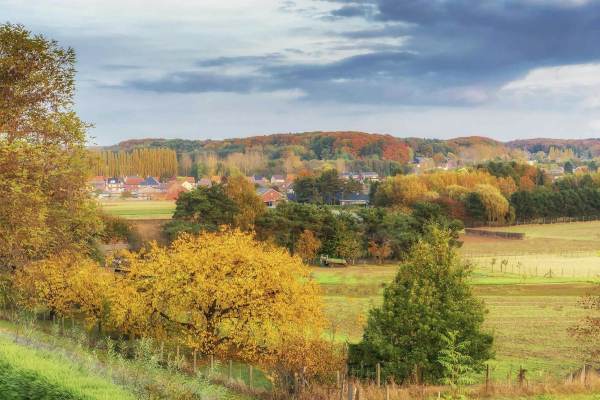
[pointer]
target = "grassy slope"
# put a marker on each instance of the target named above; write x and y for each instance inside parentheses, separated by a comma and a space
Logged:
(52, 373)
(528, 314)
(88, 369)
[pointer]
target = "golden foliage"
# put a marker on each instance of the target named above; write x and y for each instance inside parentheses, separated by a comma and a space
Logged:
(380, 251)
(220, 293)
(250, 205)
(404, 190)
(496, 205)
(66, 284)
(44, 205)
(308, 245)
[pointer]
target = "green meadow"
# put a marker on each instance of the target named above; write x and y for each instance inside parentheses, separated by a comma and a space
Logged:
(139, 209)
(529, 311)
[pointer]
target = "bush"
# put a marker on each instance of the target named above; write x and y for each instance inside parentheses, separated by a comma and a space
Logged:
(119, 230)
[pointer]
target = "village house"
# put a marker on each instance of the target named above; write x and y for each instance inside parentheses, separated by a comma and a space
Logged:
(277, 180)
(270, 196)
(97, 183)
(369, 177)
(555, 172)
(205, 182)
(115, 185)
(132, 183)
(150, 181)
(354, 199)
(188, 182)
(350, 175)
(260, 180)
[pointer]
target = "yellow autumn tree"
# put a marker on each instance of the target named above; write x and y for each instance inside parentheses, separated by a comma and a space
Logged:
(402, 190)
(66, 284)
(249, 204)
(308, 245)
(220, 293)
(496, 205)
(380, 251)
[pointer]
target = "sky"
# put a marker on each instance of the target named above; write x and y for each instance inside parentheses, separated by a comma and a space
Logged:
(212, 69)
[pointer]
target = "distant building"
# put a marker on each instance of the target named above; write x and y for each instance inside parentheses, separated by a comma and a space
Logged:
(354, 199)
(260, 180)
(132, 183)
(271, 197)
(97, 183)
(150, 182)
(115, 185)
(206, 182)
(369, 176)
(351, 175)
(277, 180)
(175, 187)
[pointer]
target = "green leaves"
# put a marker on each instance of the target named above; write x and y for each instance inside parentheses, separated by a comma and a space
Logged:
(427, 304)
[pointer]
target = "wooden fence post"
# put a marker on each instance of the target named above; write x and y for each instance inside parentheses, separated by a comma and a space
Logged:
(387, 392)
(230, 370)
(582, 377)
(487, 378)
(378, 371)
(212, 364)
(194, 355)
(350, 390)
(521, 376)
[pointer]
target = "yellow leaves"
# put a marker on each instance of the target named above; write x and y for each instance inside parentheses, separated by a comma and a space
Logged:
(496, 205)
(250, 206)
(220, 293)
(66, 284)
(308, 245)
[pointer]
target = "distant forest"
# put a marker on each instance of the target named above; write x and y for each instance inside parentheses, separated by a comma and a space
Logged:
(346, 151)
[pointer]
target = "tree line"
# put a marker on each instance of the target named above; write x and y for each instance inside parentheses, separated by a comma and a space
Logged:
(494, 193)
(157, 162)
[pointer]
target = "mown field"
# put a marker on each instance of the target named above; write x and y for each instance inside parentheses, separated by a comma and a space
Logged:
(139, 209)
(528, 312)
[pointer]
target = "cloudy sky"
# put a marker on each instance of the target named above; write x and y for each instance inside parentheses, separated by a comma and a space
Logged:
(228, 68)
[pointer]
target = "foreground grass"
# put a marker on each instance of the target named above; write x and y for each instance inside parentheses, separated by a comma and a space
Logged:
(27, 373)
(139, 209)
(87, 369)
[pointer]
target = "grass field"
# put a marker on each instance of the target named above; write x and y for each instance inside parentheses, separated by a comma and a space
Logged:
(566, 239)
(139, 209)
(28, 372)
(529, 310)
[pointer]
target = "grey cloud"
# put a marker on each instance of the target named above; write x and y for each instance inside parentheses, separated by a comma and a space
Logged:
(453, 52)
